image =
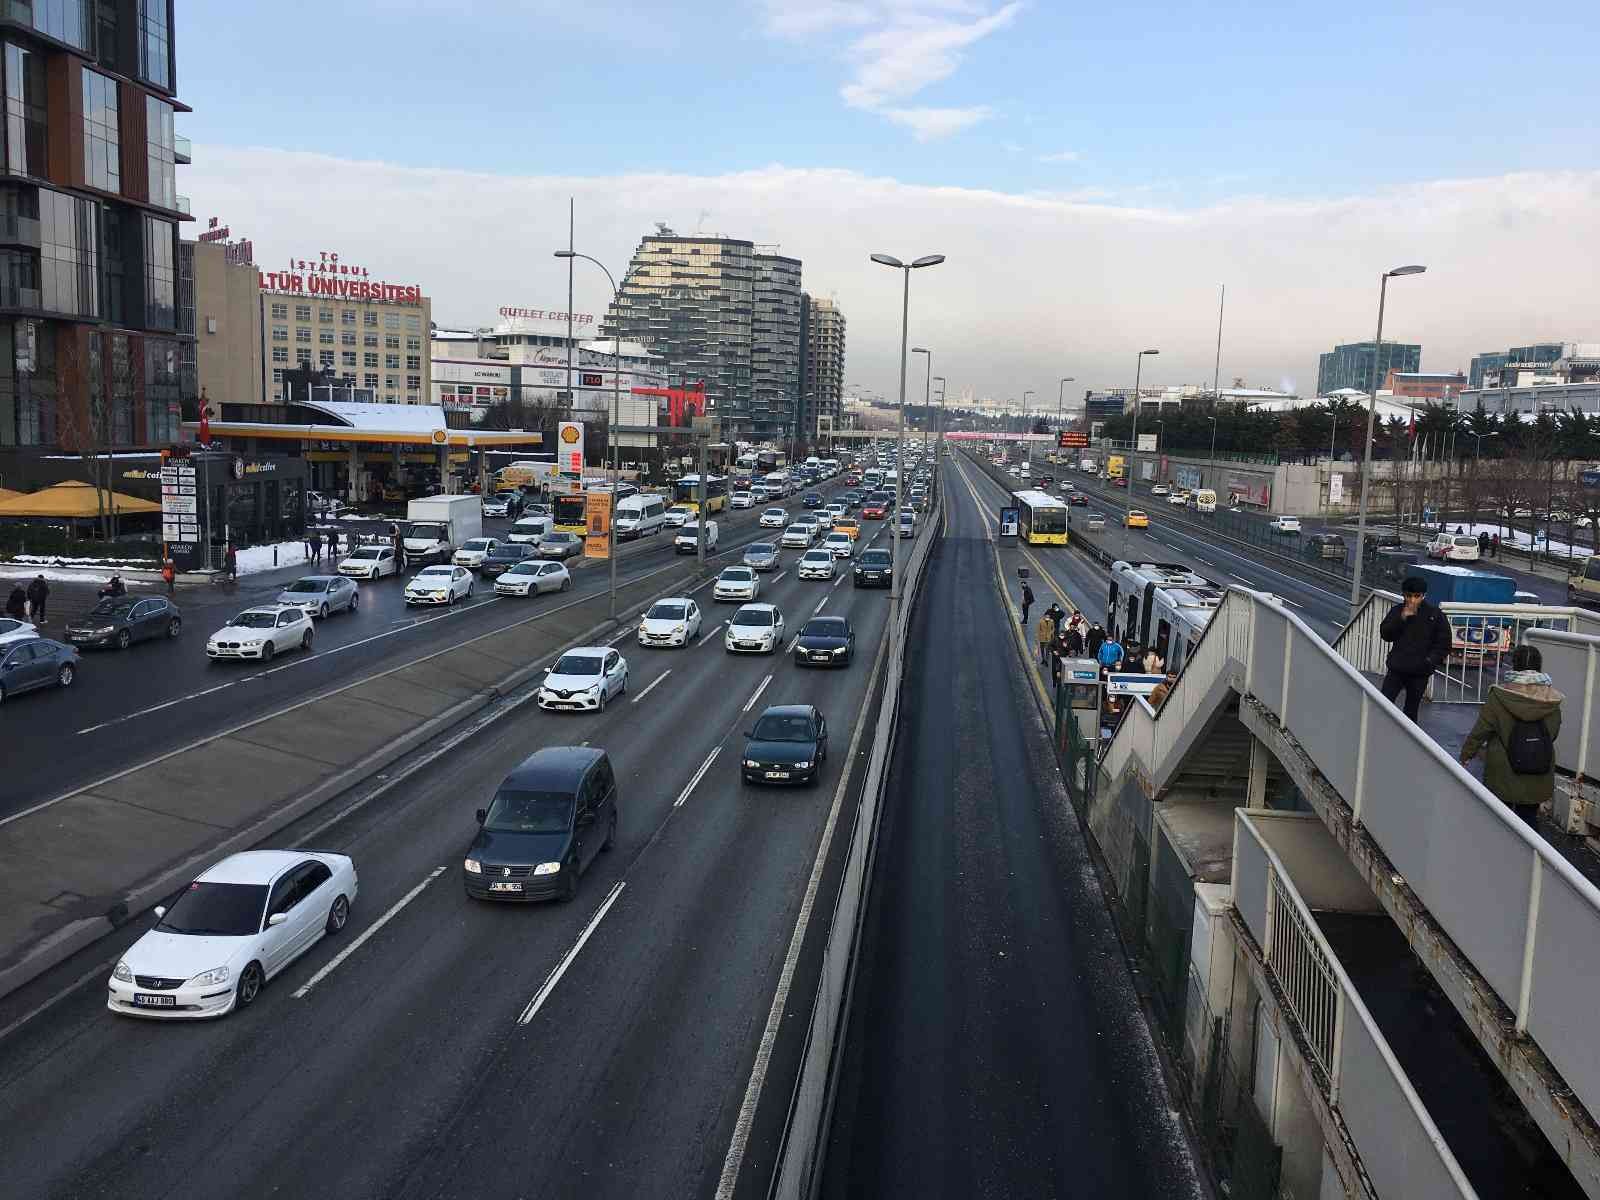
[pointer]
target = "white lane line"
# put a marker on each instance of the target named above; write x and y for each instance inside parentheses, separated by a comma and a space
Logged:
(701, 584)
(1207, 561)
(165, 704)
(629, 632)
(715, 629)
(756, 695)
(100, 970)
(838, 581)
(1244, 581)
(818, 608)
(780, 575)
(698, 776)
(792, 642)
(649, 686)
(367, 933)
(555, 975)
(1290, 602)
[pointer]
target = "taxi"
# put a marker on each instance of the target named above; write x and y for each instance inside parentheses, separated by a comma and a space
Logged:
(1137, 519)
(848, 525)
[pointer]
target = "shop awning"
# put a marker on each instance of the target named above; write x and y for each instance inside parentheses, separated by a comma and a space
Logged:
(71, 499)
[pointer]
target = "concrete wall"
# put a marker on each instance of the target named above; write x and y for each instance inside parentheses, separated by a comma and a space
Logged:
(227, 326)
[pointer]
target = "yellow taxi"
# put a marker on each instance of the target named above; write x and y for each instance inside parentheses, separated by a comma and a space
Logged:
(1136, 519)
(847, 525)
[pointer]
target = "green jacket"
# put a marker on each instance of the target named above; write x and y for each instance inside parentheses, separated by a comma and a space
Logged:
(1508, 703)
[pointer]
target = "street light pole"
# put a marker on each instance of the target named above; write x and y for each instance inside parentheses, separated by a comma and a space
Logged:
(1211, 469)
(616, 419)
(1061, 406)
(896, 584)
(927, 392)
(939, 445)
(1366, 451)
(1133, 461)
(1027, 428)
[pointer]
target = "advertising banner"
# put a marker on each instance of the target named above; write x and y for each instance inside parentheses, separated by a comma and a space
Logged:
(597, 522)
(1336, 488)
(1147, 443)
(1250, 489)
(1187, 477)
(569, 446)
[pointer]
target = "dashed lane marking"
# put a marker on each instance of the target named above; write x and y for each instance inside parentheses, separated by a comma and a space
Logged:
(651, 685)
(571, 955)
(394, 911)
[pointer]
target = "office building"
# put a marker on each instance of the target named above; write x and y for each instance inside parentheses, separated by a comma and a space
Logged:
(1351, 365)
(1441, 387)
(775, 348)
(230, 347)
(1524, 366)
(822, 366)
(92, 354)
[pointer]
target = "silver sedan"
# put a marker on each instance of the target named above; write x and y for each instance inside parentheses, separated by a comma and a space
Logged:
(530, 577)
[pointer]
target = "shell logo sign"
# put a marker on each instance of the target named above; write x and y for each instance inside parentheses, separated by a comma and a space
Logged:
(570, 451)
(439, 436)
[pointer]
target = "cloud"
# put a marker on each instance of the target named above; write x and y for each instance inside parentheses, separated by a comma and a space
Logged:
(786, 18)
(1060, 156)
(1036, 286)
(928, 124)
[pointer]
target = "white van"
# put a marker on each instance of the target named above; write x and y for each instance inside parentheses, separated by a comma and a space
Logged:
(688, 538)
(1204, 500)
(640, 516)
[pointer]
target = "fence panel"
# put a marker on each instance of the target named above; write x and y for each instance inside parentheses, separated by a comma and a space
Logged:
(1301, 964)
(1566, 973)
(1266, 655)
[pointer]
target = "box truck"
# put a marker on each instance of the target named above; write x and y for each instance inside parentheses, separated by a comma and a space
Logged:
(436, 525)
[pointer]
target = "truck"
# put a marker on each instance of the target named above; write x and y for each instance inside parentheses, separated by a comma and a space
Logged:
(436, 525)
(1087, 465)
(1114, 466)
(1472, 637)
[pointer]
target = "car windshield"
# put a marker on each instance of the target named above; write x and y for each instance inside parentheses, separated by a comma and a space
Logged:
(753, 616)
(773, 512)
(255, 620)
(783, 727)
(308, 585)
(367, 553)
(514, 810)
(477, 544)
(817, 556)
(759, 548)
(217, 910)
(111, 607)
(524, 568)
(578, 664)
(875, 558)
(665, 612)
(434, 573)
(512, 551)
(829, 627)
(737, 575)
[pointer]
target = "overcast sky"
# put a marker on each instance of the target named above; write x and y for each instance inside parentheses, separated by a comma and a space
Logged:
(1092, 182)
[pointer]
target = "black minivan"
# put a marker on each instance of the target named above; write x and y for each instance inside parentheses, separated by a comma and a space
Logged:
(547, 821)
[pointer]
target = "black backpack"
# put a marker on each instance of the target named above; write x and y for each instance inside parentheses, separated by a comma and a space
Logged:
(1531, 751)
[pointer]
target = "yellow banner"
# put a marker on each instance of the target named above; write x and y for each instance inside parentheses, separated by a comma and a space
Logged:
(597, 522)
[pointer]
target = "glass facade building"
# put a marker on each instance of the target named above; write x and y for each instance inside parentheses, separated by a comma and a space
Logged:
(1350, 365)
(822, 365)
(775, 325)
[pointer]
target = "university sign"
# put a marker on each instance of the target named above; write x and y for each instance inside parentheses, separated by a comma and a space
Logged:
(326, 276)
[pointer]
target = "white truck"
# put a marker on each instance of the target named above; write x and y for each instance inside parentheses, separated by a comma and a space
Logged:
(1088, 466)
(436, 525)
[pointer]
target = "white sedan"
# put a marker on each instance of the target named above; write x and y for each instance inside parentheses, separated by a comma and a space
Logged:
(443, 584)
(242, 922)
(13, 630)
(774, 518)
(584, 679)
(798, 535)
(678, 516)
(741, 500)
(370, 562)
(816, 564)
(841, 543)
(670, 622)
(736, 583)
(532, 576)
(262, 632)
(473, 551)
(755, 629)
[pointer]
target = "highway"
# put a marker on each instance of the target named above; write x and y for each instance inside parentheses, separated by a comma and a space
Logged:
(441, 1047)
(996, 1046)
(130, 706)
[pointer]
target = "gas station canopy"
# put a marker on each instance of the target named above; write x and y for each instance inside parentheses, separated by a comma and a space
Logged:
(412, 424)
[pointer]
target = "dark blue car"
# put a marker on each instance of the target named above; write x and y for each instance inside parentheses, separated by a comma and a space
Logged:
(36, 663)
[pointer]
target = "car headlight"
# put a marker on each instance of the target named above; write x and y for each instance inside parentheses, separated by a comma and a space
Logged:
(547, 868)
(215, 975)
(105, 630)
(472, 866)
(593, 689)
(680, 628)
(752, 763)
(839, 650)
(122, 972)
(802, 766)
(253, 645)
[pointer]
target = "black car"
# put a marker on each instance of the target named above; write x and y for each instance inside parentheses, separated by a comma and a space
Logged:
(547, 821)
(812, 500)
(874, 568)
(825, 641)
(503, 557)
(788, 744)
(1374, 542)
(1325, 545)
(121, 621)
(36, 663)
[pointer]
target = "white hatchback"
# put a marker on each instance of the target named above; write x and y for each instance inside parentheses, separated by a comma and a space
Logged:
(532, 576)
(742, 500)
(817, 564)
(262, 632)
(670, 622)
(841, 544)
(473, 551)
(235, 927)
(774, 518)
(754, 629)
(584, 679)
(799, 535)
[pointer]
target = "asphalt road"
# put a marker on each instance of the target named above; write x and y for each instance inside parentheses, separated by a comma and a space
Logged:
(419, 1065)
(129, 706)
(996, 1047)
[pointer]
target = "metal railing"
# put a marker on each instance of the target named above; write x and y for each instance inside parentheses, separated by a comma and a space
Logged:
(182, 148)
(1573, 662)
(1401, 1148)
(17, 230)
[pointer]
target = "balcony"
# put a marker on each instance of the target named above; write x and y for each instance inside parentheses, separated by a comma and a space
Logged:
(19, 231)
(185, 207)
(12, 296)
(183, 149)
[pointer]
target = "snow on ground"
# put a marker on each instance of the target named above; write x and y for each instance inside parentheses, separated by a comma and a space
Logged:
(57, 575)
(1520, 539)
(269, 558)
(109, 564)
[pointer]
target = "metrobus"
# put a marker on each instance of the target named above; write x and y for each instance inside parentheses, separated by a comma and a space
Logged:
(687, 491)
(1164, 605)
(1043, 518)
(567, 513)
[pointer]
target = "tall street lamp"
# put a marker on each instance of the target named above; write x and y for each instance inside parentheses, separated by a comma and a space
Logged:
(896, 584)
(1366, 451)
(1061, 405)
(611, 432)
(1133, 461)
(927, 392)
(1027, 427)
(1211, 469)
(939, 446)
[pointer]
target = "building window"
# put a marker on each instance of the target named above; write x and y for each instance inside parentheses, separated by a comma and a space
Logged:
(302, 355)
(277, 375)
(155, 43)
(413, 343)
(391, 382)
(370, 341)
(280, 333)
(160, 150)
(391, 361)
(280, 354)
(391, 342)
(159, 285)
(413, 362)
(370, 380)
(69, 256)
(162, 362)
(102, 139)
(347, 316)
(414, 323)
(326, 358)
(369, 360)
(325, 337)
(369, 318)
(414, 382)
(325, 316)
(347, 339)
(347, 358)
(280, 312)
(302, 334)
(391, 320)
(302, 312)
(25, 112)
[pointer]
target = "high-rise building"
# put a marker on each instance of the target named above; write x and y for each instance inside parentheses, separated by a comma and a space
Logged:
(822, 365)
(93, 315)
(691, 301)
(1350, 365)
(775, 348)
(1503, 369)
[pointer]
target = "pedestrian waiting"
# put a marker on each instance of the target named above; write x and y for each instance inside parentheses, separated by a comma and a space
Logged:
(17, 603)
(1516, 733)
(38, 598)
(1045, 634)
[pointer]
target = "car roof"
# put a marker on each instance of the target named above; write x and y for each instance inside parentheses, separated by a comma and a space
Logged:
(788, 710)
(674, 600)
(588, 650)
(318, 578)
(274, 609)
(253, 866)
(554, 766)
(761, 607)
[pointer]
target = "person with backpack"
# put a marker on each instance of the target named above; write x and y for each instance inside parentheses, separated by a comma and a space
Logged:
(1516, 732)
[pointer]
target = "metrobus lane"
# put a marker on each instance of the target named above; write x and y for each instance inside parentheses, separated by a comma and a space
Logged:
(646, 1038)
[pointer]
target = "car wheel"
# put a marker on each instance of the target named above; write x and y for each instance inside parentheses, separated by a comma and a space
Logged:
(450, 598)
(569, 892)
(66, 674)
(322, 612)
(605, 695)
(469, 591)
(623, 691)
(338, 915)
(174, 627)
(249, 987)
(611, 834)
(124, 639)
(566, 583)
(355, 601)
(305, 641)
(268, 651)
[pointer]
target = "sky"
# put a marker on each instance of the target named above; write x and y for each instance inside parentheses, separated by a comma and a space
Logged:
(1094, 176)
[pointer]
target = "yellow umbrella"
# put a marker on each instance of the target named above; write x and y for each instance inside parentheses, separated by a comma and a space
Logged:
(8, 493)
(72, 499)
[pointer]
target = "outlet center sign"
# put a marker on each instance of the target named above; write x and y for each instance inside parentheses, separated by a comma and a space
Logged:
(569, 446)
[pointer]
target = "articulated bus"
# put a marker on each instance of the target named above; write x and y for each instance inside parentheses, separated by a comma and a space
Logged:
(687, 491)
(1043, 518)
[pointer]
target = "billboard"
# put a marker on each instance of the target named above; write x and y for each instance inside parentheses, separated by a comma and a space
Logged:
(569, 446)
(597, 524)
(1068, 439)
(1147, 443)
(1187, 477)
(1249, 489)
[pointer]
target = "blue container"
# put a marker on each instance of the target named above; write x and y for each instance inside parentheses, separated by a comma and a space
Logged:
(1463, 585)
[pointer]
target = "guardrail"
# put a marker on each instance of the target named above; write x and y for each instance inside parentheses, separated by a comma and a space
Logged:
(1572, 660)
(1401, 1148)
(812, 1102)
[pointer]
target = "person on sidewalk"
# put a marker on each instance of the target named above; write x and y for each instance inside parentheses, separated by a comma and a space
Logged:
(38, 597)
(1494, 543)
(169, 573)
(1095, 639)
(1027, 602)
(17, 603)
(1516, 733)
(306, 537)
(1483, 543)
(230, 563)
(1045, 633)
(316, 547)
(1419, 637)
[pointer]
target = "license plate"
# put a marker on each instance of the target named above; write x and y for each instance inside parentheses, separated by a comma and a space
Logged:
(820, 657)
(505, 887)
(146, 1000)
(777, 774)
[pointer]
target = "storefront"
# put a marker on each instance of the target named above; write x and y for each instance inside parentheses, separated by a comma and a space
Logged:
(211, 499)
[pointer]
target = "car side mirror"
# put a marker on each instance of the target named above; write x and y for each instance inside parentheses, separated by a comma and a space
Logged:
(482, 815)
(277, 919)
(161, 911)
(548, 669)
(749, 733)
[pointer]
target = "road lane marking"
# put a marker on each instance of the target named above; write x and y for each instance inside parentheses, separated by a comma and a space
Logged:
(715, 629)
(1207, 561)
(780, 575)
(555, 975)
(164, 704)
(838, 581)
(651, 685)
(700, 585)
(756, 695)
(629, 632)
(683, 796)
(394, 911)
(818, 608)
(792, 643)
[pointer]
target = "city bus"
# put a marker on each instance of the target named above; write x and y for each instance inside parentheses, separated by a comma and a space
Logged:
(567, 513)
(1043, 518)
(687, 491)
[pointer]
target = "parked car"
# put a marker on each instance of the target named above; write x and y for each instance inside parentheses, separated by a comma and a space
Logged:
(320, 595)
(1454, 547)
(787, 744)
(825, 641)
(370, 562)
(532, 576)
(1326, 545)
(264, 631)
(36, 663)
(122, 620)
(560, 545)
(13, 630)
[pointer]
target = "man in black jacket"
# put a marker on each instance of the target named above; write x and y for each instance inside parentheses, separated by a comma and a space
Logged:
(1419, 635)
